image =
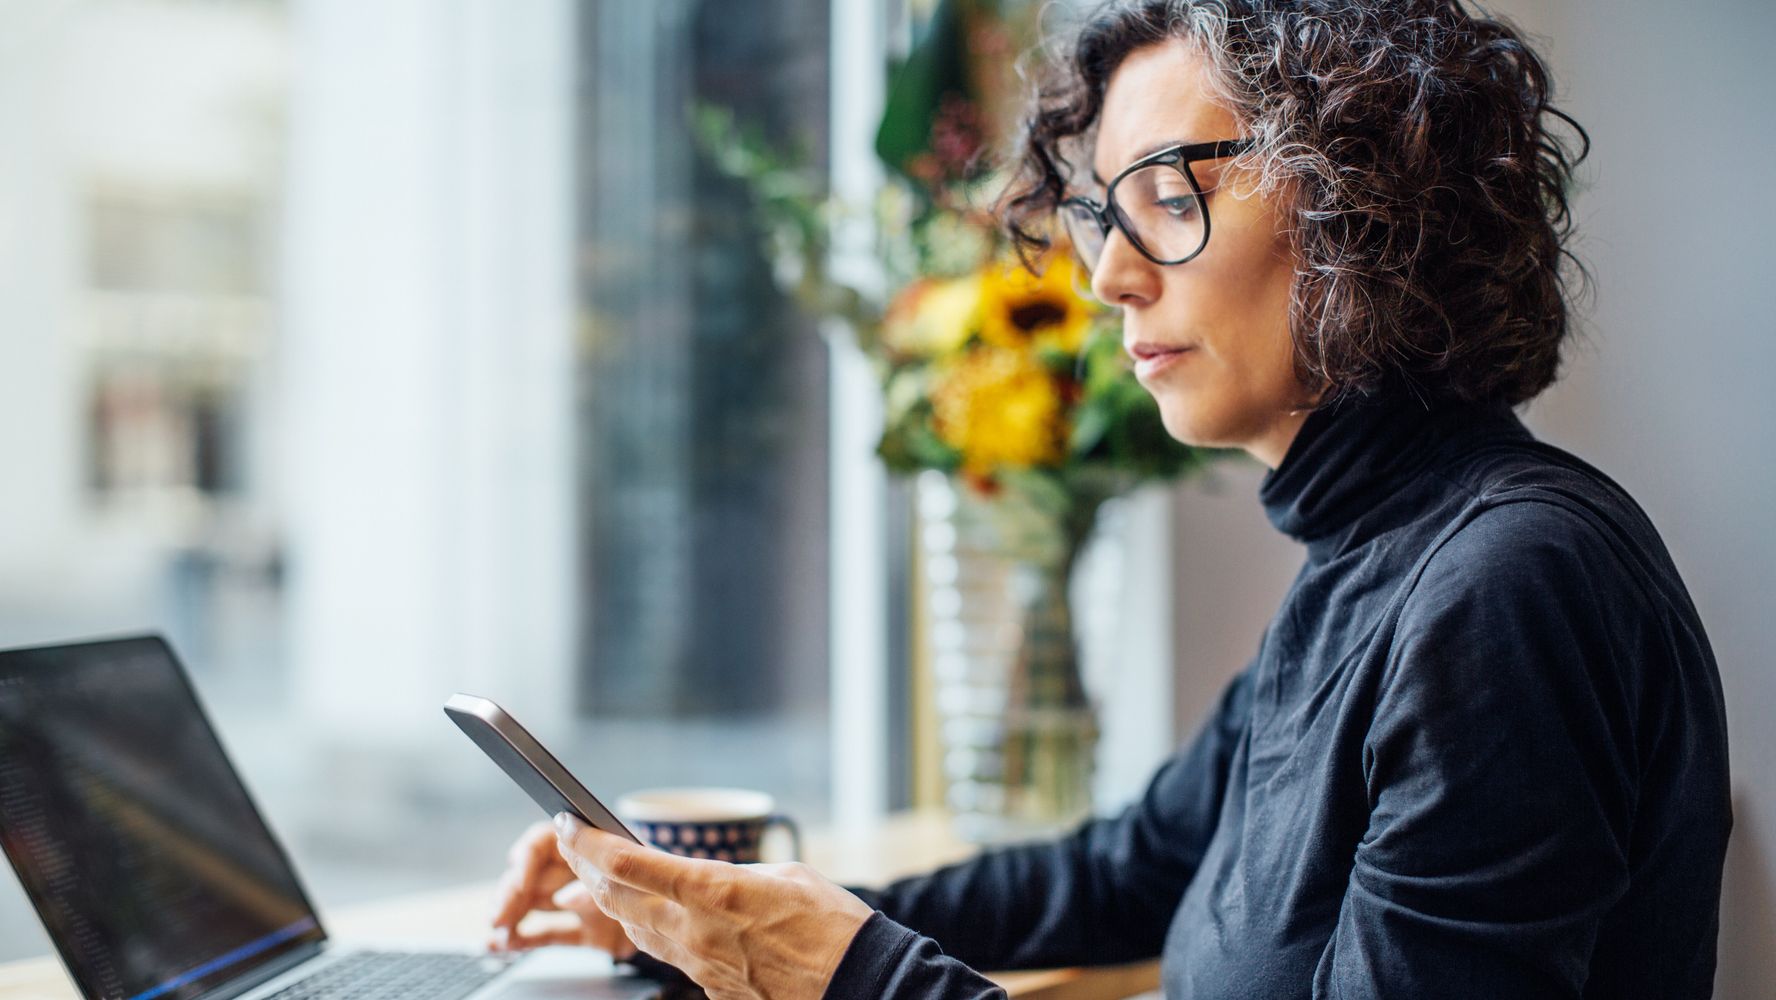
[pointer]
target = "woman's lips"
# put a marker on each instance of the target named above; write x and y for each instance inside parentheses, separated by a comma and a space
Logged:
(1152, 359)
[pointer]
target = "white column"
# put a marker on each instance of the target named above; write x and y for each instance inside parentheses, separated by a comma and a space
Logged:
(1123, 586)
(859, 645)
(428, 350)
(40, 443)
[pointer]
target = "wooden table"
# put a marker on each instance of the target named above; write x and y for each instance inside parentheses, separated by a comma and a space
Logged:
(905, 844)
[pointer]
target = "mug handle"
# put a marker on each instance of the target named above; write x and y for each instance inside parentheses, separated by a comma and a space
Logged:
(795, 832)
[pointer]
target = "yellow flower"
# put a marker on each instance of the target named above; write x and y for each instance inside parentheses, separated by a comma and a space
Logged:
(999, 408)
(932, 316)
(1025, 311)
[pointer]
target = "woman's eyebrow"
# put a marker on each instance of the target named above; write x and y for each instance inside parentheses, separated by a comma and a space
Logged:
(1143, 154)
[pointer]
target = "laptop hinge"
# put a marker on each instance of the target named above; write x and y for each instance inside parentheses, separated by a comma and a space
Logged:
(270, 970)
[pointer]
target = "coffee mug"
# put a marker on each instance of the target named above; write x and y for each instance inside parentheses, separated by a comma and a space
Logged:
(724, 824)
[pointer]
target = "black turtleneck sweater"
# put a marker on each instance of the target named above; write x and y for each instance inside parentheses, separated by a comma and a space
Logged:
(1481, 752)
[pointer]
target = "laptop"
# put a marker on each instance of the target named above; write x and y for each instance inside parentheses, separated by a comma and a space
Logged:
(158, 879)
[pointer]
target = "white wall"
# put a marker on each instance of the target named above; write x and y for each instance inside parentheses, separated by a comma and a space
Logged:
(1232, 571)
(1670, 396)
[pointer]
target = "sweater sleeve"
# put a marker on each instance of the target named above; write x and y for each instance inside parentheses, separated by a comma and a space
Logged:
(1104, 894)
(889, 962)
(1500, 768)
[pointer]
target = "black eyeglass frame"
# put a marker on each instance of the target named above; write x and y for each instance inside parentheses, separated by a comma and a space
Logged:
(1180, 156)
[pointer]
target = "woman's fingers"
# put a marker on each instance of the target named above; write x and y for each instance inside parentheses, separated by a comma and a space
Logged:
(602, 931)
(636, 908)
(514, 899)
(576, 897)
(591, 853)
(737, 931)
(637, 887)
(521, 941)
(523, 887)
(665, 949)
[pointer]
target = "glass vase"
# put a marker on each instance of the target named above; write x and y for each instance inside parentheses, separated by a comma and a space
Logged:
(1018, 729)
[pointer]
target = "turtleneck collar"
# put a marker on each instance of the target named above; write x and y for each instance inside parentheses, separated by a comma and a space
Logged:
(1350, 455)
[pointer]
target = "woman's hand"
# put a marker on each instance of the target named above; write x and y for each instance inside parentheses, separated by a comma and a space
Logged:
(739, 931)
(537, 878)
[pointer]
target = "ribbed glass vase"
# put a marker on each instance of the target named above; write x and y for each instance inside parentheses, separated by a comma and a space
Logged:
(1018, 730)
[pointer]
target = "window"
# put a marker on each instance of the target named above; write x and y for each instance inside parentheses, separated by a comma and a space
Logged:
(701, 401)
(374, 352)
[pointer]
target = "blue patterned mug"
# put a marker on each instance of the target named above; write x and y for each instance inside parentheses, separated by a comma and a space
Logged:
(725, 824)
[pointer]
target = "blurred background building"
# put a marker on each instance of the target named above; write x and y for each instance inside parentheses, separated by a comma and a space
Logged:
(377, 350)
(373, 352)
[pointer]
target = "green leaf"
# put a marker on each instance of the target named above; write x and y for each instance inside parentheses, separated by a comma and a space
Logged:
(937, 65)
(1090, 423)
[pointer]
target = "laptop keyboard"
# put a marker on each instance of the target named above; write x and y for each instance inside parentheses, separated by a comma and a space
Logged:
(396, 975)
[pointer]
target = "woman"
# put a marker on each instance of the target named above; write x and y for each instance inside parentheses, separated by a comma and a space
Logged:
(1481, 749)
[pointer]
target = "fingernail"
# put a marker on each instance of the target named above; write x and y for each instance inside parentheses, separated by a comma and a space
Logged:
(561, 823)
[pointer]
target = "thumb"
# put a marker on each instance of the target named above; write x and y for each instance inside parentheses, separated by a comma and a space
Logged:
(576, 897)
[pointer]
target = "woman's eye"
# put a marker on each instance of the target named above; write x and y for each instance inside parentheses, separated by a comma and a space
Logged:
(1179, 207)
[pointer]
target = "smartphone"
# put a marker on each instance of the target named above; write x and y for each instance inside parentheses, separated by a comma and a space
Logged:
(529, 764)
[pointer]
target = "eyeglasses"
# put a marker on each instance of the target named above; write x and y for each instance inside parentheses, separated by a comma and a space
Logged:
(1155, 201)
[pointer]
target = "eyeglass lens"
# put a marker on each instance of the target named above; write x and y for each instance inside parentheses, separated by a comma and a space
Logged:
(1084, 232)
(1159, 209)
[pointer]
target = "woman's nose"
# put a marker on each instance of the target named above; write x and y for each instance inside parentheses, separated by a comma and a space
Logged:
(1122, 276)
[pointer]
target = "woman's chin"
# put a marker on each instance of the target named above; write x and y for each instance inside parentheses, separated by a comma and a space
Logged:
(1186, 425)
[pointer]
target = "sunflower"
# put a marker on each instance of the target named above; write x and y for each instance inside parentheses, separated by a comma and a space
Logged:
(1041, 312)
(999, 408)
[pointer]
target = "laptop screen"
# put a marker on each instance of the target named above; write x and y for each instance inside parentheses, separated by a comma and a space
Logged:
(131, 832)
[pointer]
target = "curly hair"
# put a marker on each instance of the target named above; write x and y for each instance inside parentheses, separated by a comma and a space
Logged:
(1412, 145)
